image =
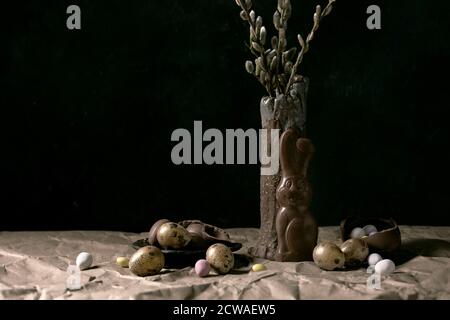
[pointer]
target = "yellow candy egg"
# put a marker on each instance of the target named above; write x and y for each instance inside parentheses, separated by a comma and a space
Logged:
(122, 262)
(258, 267)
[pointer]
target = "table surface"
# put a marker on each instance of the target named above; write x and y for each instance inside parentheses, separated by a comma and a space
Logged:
(33, 265)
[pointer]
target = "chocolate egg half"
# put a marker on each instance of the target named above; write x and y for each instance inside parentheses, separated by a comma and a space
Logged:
(387, 239)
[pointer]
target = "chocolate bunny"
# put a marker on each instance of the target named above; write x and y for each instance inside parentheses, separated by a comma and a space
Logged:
(296, 228)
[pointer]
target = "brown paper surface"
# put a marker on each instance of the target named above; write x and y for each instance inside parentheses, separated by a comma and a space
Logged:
(33, 265)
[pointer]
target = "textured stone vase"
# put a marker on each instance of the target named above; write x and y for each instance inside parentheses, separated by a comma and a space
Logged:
(281, 112)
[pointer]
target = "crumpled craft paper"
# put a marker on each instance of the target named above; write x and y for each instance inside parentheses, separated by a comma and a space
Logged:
(33, 265)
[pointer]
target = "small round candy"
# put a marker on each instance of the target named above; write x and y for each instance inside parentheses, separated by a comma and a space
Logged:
(357, 233)
(369, 229)
(373, 259)
(123, 262)
(84, 260)
(258, 267)
(202, 268)
(385, 267)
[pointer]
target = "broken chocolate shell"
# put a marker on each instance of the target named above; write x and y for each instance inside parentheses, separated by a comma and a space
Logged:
(386, 240)
(203, 235)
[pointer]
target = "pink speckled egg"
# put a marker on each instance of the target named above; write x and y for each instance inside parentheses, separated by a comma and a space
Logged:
(202, 268)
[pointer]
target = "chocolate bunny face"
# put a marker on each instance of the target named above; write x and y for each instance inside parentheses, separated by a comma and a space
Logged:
(293, 191)
(295, 154)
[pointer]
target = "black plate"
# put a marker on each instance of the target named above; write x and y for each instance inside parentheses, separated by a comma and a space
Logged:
(182, 258)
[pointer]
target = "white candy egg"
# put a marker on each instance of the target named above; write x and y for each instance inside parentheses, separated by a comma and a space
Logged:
(370, 229)
(84, 260)
(385, 267)
(357, 233)
(373, 259)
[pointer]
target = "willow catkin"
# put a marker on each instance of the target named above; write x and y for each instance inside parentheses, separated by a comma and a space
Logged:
(275, 67)
(249, 66)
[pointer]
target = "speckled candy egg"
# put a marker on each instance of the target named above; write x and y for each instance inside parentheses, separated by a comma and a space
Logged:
(385, 267)
(172, 235)
(202, 268)
(220, 258)
(147, 261)
(355, 251)
(328, 256)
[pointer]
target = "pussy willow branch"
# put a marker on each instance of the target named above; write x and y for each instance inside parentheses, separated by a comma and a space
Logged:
(269, 62)
(256, 39)
(318, 16)
(281, 26)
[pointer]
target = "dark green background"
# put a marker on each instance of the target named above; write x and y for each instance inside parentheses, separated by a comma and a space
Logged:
(88, 115)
